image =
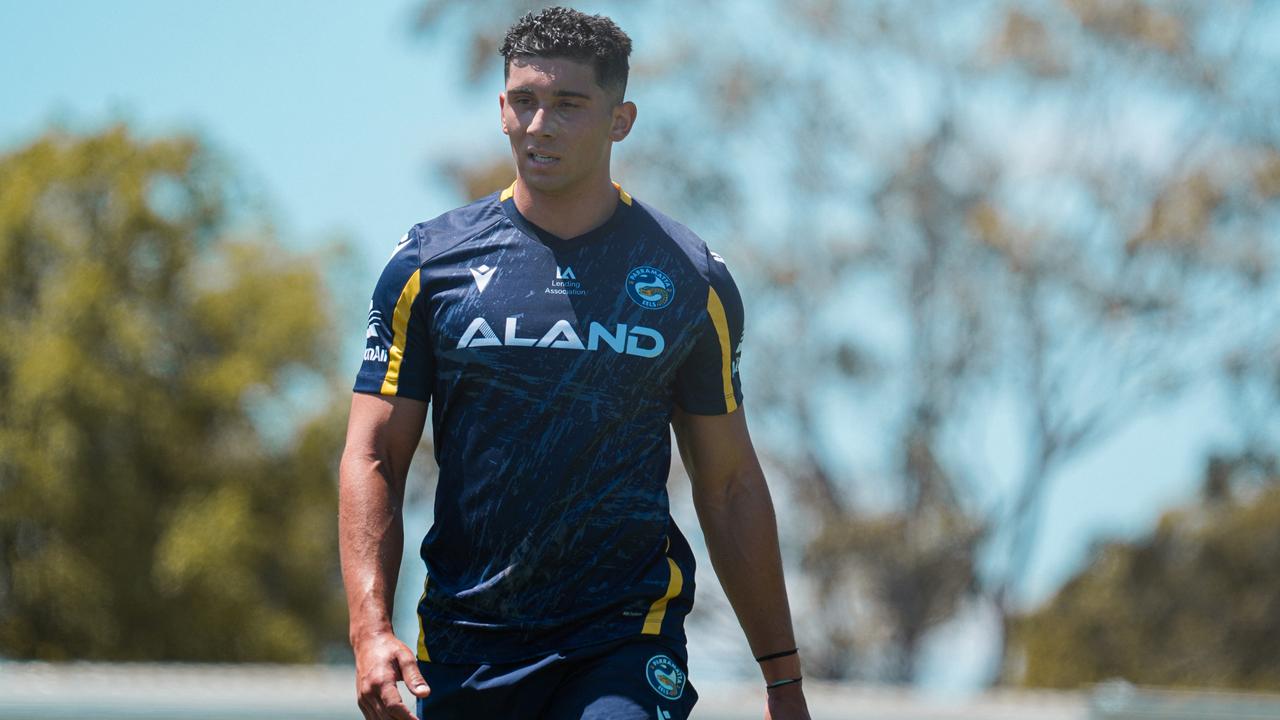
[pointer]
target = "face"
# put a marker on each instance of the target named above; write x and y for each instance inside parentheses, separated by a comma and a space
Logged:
(561, 124)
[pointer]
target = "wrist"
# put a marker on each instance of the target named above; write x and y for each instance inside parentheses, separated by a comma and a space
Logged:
(780, 668)
(786, 688)
(361, 634)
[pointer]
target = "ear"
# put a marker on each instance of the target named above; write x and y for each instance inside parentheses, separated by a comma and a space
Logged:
(624, 117)
(502, 108)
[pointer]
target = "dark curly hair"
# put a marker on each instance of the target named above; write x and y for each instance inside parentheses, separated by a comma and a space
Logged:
(559, 32)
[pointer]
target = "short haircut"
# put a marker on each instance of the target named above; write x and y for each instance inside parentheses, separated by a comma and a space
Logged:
(559, 32)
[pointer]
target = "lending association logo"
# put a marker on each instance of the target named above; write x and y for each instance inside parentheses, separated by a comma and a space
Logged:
(566, 283)
(665, 677)
(650, 288)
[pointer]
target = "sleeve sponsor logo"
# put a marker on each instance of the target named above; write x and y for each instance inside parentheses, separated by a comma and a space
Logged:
(376, 349)
(375, 324)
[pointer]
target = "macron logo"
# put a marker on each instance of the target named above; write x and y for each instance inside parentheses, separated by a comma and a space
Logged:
(483, 275)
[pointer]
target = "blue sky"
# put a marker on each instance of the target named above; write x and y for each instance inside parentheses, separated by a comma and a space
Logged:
(335, 114)
(329, 108)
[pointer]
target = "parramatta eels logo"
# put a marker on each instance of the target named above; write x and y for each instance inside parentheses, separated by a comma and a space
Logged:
(650, 288)
(665, 677)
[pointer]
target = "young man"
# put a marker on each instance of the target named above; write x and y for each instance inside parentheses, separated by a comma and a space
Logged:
(558, 328)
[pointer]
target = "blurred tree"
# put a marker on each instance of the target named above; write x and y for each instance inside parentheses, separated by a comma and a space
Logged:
(162, 495)
(1192, 605)
(1028, 221)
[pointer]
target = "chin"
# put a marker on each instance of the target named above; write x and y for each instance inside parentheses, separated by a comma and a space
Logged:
(545, 183)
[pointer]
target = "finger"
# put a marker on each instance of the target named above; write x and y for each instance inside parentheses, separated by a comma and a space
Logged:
(400, 712)
(371, 701)
(392, 706)
(412, 676)
(366, 709)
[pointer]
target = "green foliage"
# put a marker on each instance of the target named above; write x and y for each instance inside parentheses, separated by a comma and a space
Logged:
(1056, 213)
(1196, 604)
(142, 514)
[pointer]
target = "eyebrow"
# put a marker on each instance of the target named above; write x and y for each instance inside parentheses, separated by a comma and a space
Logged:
(524, 89)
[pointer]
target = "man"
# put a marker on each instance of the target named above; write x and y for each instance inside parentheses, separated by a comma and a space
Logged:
(557, 328)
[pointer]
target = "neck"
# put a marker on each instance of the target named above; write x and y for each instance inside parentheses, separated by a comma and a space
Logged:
(569, 214)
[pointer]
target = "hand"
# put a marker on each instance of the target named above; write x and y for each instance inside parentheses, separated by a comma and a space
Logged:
(381, 660)
(786, 703)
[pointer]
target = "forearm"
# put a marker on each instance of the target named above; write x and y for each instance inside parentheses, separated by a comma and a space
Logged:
(371, 539)
(740, 528)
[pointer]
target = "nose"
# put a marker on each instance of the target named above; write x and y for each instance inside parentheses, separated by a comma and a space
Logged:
(541, 123)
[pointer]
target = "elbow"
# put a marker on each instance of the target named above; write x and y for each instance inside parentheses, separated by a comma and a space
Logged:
(363, 465)
(357, 461)
(742, 484)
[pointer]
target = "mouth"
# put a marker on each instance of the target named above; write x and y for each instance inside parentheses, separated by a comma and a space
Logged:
(540, 159)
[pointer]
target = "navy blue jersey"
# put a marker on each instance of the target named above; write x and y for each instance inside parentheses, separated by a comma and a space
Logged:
(552, 367)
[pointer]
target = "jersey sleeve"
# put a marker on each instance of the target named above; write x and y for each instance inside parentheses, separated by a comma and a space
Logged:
(397, 355)
(708, 382)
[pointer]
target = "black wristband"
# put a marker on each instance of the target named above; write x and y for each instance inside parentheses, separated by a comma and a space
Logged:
(780, 683)
(775, 656)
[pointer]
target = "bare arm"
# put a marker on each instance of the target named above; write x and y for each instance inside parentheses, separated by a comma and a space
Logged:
(382, 434)
(736, 514)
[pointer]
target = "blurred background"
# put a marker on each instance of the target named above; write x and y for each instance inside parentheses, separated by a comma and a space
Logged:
(1012, 355)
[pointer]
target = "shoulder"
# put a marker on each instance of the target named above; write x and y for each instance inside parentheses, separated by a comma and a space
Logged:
(431, 237)
(685, 242)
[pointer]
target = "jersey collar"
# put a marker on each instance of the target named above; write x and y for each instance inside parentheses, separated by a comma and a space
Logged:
(507, 200)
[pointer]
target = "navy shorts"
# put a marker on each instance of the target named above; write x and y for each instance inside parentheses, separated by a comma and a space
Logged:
(631, 679)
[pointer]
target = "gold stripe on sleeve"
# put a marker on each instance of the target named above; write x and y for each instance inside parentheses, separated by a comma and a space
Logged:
(423, 655)
(658, 611)
(716, 310)
(400, 333)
